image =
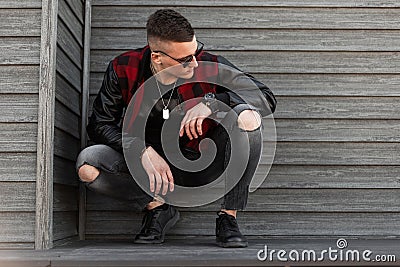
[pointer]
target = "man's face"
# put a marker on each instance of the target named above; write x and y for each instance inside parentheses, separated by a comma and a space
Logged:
(173, 51)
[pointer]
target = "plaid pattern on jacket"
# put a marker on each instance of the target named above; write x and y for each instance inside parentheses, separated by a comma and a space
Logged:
(129, 69)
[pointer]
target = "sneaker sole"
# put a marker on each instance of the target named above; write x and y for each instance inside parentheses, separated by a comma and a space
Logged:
(168, 226)
(233, 244)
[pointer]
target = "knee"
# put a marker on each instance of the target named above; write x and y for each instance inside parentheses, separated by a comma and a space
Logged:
(249, 120)
(88, 173)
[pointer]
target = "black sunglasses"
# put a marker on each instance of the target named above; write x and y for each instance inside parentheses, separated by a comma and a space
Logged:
(185, 61)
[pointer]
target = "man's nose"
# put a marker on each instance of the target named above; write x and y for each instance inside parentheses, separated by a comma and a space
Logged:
(194, 63)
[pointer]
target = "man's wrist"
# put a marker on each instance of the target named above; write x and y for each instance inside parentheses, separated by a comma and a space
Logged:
(144, 150)
(210, 101)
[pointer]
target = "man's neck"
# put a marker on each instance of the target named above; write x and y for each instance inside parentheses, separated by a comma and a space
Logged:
(162, 76)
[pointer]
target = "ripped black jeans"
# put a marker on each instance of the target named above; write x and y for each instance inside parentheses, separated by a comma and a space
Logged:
(115, 180)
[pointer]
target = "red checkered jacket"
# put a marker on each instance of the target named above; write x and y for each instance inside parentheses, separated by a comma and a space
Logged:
(125, 74)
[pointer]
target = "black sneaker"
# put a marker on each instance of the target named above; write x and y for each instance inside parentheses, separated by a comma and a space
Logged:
(227, 232)
(156, 223)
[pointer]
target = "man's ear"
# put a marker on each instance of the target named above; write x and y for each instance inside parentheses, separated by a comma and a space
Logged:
(156, 58)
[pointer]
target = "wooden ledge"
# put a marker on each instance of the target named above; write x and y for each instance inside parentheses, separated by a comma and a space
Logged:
(189, 252)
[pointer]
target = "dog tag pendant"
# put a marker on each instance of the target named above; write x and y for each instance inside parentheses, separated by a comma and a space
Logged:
(165, 114)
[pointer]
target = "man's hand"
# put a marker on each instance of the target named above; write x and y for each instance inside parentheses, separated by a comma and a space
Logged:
(191, 123)
(158, 171)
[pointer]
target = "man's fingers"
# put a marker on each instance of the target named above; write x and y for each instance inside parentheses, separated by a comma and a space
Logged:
(198, 125)
(192, 127)
(165, 184)
(187, 130)
(171, 180)
(151, 180)
(158, 183)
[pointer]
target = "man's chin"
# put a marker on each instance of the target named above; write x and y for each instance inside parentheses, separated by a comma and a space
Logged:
(187, 75)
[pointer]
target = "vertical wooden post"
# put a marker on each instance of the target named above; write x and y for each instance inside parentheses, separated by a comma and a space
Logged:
(45, 147)
(85, 110)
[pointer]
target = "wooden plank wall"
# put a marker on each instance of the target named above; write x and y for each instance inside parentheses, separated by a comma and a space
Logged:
(334, 67)
(67, 117)
(20, 23)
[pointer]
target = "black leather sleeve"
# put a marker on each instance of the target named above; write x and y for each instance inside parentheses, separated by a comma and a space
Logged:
(245, 87)
(104, 123)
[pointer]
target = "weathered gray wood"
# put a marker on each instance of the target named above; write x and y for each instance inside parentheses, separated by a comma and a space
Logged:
(313, 84)
(65, 224)
(65, 145)
(202, 251)
(279, 200)
(126, 224)
(15, 84)
(17, 197)
(316, 62)
(82, 199)
(18, 108)
(68, 70)
(316, 176)
(64, 172)
(47, 84)
(19, 50)
(65, 211)
(91, 100)
(96, 78)
(66, 120)
(67, 117)
(68, 44)
(18, 137)
(66, 87)
(120, 38)
(22, 246)
(337, 130)
(26, 167)
(261, 17)
(82, 212)
(65, 198)
(20, 4)
(322, 153)
(85, 110)
(292, 62)
(67, 95)
(20, 22)
(77, 8)
(66, 241)
(17, 232)
(330, 84)
(67, 16)
(338, 107)
(259, 39)
(255, 3)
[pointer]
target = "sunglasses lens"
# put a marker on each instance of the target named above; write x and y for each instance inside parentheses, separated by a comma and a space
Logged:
(199, 49)
(185, 62)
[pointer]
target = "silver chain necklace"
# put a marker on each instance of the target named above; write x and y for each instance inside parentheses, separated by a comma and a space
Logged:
(165, 109)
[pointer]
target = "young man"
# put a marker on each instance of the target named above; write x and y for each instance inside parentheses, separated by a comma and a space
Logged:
(102, 167)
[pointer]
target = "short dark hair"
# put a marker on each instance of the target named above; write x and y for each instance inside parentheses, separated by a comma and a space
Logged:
(169, 25)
